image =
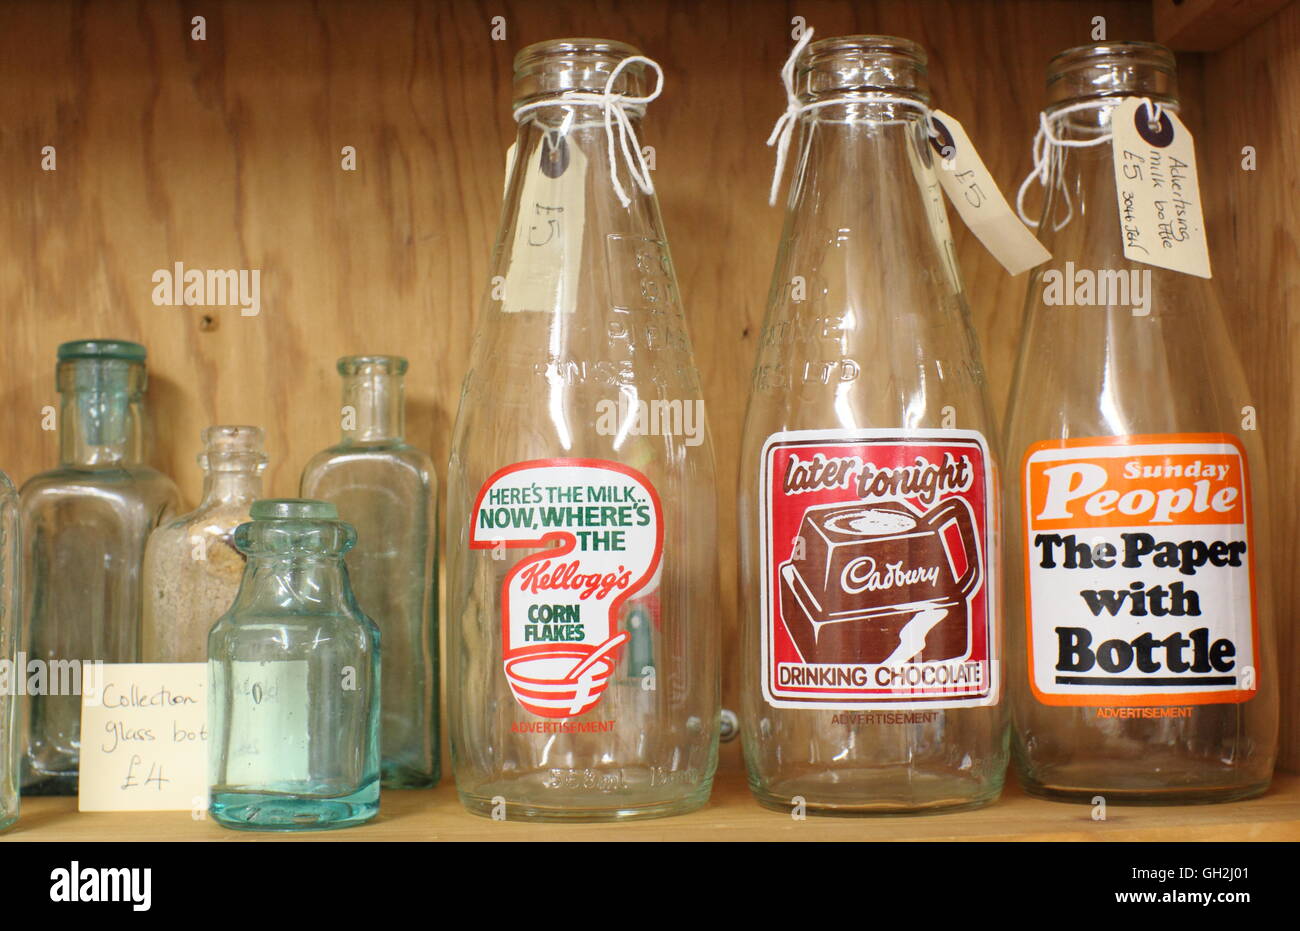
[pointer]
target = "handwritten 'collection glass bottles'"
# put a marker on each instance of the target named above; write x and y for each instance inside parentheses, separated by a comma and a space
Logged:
(388, 490)
(10, 744)
(191, 566)
(294, 680)
(84, 528)
(1140, 625)
(870, 632)
(582, 643)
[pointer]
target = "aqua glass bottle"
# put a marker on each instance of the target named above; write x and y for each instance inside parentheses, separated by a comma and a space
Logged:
(293, 677)
(84, 527)
(9, 614)
(388, 490)
(191, 567)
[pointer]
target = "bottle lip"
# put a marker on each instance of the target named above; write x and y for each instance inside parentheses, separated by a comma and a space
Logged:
(1104, 70)
(99, 349)
(374, 365)
(611, 49)
(232, 448)
(293, 509)
(847, 66)
(1158, 55)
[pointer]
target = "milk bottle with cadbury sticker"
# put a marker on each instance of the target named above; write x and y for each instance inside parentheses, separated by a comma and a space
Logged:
(869, 607)
(582, 639)
(1139, 620)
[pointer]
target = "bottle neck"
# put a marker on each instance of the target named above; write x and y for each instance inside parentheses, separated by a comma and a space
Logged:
(231, 486)
(374, 409)
(294, 584)
(101, 429)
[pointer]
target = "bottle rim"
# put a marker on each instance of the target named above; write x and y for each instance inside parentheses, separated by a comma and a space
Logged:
(1103, 70)
(860, 66)
(102, 349)
(610, 49)
(271, 509)
(373, 365)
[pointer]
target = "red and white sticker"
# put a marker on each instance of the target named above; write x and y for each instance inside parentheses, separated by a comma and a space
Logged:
(1139, 581)
(602, 528)
(877, 569)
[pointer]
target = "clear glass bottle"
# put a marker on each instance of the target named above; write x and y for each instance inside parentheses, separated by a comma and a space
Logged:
(10, 605)
(582, 648)
(294, 680)
(388, 490)
(84, 528)
(191, 566)
(1125, 369)
(869, 622)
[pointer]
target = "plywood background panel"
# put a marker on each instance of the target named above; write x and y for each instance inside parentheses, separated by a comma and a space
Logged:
(1252, 98)
(225, 153)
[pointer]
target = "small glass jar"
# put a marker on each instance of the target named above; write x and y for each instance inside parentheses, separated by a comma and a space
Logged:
(294, 680)
(191, 566)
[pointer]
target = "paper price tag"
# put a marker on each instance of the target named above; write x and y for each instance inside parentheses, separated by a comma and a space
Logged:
(1158, 195)
(546, 251)
(144, 738)
(980, 204)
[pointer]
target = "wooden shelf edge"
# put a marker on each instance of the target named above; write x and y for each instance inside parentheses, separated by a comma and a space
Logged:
(731, 815)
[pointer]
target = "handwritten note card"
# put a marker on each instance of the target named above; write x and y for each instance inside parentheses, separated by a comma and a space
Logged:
(144, 738)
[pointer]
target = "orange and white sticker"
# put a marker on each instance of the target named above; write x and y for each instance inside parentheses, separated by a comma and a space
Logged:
(1139, 571)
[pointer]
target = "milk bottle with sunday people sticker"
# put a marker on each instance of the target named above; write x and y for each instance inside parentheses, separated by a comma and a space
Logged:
(870, 652)
(1139, 621)
(582, 635)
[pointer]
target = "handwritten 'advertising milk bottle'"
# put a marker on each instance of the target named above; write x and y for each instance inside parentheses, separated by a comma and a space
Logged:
(870, 633)
(582, 641)
(1139, 624)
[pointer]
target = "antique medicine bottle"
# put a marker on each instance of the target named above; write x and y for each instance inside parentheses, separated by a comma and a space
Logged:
(191, 566)
(582, 648)
(870, 632)
(388, 490)
(294, 680)
(1140, 628)
(10, 744)
(84, 528)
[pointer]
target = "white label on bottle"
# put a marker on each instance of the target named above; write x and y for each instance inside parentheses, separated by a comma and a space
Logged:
(1157, 192)
(546, 252)
(979, 202)
(270, 724)
(878, 576)
(597, 527)
(1138, 566)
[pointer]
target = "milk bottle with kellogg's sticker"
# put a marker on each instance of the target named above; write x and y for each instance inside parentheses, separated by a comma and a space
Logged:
(1140, 657)
(582, 638)
(870, 651)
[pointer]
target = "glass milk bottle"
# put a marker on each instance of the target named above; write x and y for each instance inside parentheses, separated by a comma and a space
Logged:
(1139, 617)
(191, 566)
(582, 648)
(294, 680)
(388, 490)
(9, 618)
(869, 611)
(84, 527)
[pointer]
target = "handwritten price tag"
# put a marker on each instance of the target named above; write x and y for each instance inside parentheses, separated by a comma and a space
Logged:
(1159, 196)
(144, 738)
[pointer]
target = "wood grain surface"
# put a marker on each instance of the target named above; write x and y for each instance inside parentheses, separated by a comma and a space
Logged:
(730, 815)
(225, 153)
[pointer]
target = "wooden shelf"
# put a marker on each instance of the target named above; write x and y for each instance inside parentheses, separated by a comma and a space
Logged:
(732, 815)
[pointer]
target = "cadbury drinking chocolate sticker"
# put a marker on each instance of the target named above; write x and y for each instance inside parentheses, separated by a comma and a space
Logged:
(877, 575)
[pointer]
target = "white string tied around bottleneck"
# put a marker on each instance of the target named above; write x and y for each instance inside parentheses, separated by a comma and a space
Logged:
(1046, 141)
(783, 132)
(617, 123)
